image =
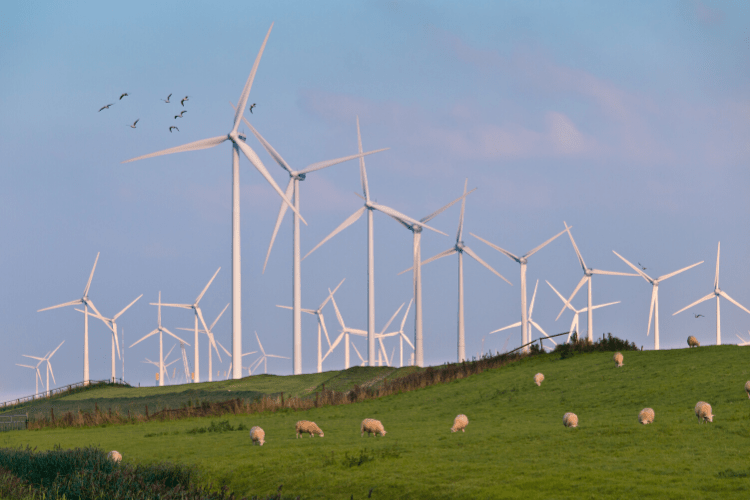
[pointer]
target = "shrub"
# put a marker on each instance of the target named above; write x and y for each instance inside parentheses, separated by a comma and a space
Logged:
(606, 343)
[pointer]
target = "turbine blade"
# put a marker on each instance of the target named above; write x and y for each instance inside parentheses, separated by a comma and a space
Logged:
(392, 318)
(203, 321)
(126, 308)
(501, 250)
(541, 330)
(460, 232)
(718, 253)
(91, 276)
(407, 340)
(71, 303)
(506, 327)
(261, 345)
(175, 336)
(325, 330)
(335, 344)
(611, 273)
(709, 296)
(219, 316)
(445, 207)
(249, 83)
(450, 251)
(605, 305)
(213, 343)
(145, 337)
(403, 321)
(225, 349)
(181, 306)
(643, 275)
(678, 272)
(575, 247)
(561, 298)
(398, 215)
(651, 310)
(730, 299)
(478, 259)
(550, 241)
(269, 149)
(533, 298)
(49, 365)
(329, 163)
(358, 354)
(330, 295)
(567, 302)
(362, 170)
(192, 146)
(279, 218)
(336, 308)
(348, 222)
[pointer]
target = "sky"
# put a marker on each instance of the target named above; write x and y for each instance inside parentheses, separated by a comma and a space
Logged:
(630, 121)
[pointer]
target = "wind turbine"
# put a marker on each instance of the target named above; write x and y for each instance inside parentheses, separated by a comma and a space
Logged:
(230, 357)
(574, 323)
(264, 357)
(86, 304)
(345, 332)
(321, 324)
(369, 206)
(523, 261)
(49, 365)
(459, 248)
(199, 315)
(112, 325)
(531, 323)
(654, 311)
(382, 335)
(37, 377)
(742, 342)
(160, 329)
(164, 373)
(402, 336)
(238, 143)
(588, 274)
(211, 341)
(718, 292)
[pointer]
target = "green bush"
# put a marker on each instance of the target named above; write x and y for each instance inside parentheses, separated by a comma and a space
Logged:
(606, 343)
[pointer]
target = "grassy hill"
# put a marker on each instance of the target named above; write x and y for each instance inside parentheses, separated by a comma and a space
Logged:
(515, 445)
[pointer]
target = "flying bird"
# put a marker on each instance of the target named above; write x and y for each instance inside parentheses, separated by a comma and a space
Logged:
(699, 316)
(181, 113)
(105, 107)
(251, 107)
(123, 95)
(167, 100)
(639, 265)
(170, 129)
(133, 125)
(183, 100)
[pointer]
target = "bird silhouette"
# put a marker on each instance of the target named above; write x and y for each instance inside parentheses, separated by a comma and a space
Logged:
(183, 100)
(181, 113)
(170, 129)
(167, 100)
(699, 316)
(105, 107)
(251, 107)
(642, 267)
(123, 95)
(133, 125)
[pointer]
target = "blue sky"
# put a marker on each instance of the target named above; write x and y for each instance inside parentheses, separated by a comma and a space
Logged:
(629, 121)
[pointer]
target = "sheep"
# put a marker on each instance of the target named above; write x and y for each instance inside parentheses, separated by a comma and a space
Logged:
(747, 388)
(114, 455)
(693, 342)
(538, 379)
(258, 435)
(703, 412)
(460, 423)
(618, 359)
(570, 420)
(646, 416)
(309, 427)
(372, 426)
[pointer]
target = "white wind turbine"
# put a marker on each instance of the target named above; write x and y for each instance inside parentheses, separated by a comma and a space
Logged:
(345, 332)
(531, 323)
(229, 370)
(160, 329)
(292, 191)
(576, 312)
(263, 358)
(382, 335)
(369, 206)
(86, 304)
(238, 143)
(112, 325)
(588, 274)
(211, 340)
(37, 377)
(164, 374)
(321, 324)
(523, 261)
(718, 292)
(199, 316)
(49, 365)
(654, 311)
(402, 336)
(459, 248)
(742, 342)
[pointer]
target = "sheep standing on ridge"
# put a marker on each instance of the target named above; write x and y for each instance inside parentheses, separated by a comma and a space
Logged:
(618, 359)
(372, 426)
(570, 420)
(703, 412)
(747, 388)
(693, 342)
(309, 427)
(258, 435)
(538, 379)
(115, 456)
(646, 416)
(460, 423)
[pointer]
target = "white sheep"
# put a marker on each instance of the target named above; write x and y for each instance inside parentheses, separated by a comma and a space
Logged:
(747, 388)
(258, 435)
(538, 379)
(570, 420)
(460, 423)
(309, 427)
(646, 416)
(372, 426)
(693, 342)
(618, 359)
(114, 455)
(703, 412)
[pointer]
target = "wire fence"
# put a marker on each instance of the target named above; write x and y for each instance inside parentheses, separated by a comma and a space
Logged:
(15, 403)
(14, 422)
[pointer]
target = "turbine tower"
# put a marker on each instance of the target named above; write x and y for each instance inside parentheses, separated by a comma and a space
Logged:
(345, 332)
(531, 323)
(718, 292)
(369, 206)
(574, 323)
(37, 377)
(86, 304)
(238, 144)
(654, 310)
(46, 359)
(402, 336)
(211, 342)
(523, 261)
(230, 357)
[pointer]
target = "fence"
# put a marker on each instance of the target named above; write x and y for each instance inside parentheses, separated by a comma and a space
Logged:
(56, 392)
(13, 422)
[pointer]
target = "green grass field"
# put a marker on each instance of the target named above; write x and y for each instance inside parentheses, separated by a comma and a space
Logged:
(514, 447)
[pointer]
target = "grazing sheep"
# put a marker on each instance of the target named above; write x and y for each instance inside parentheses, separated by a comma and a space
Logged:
(309, 427)
(618, 359)
(258, 435)
(747, 388)
(372, 426)
(460, 423)
(703, 412)
(114, 456)
(570, 420)
(646, 416)
(693, 342)
(538, 379)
